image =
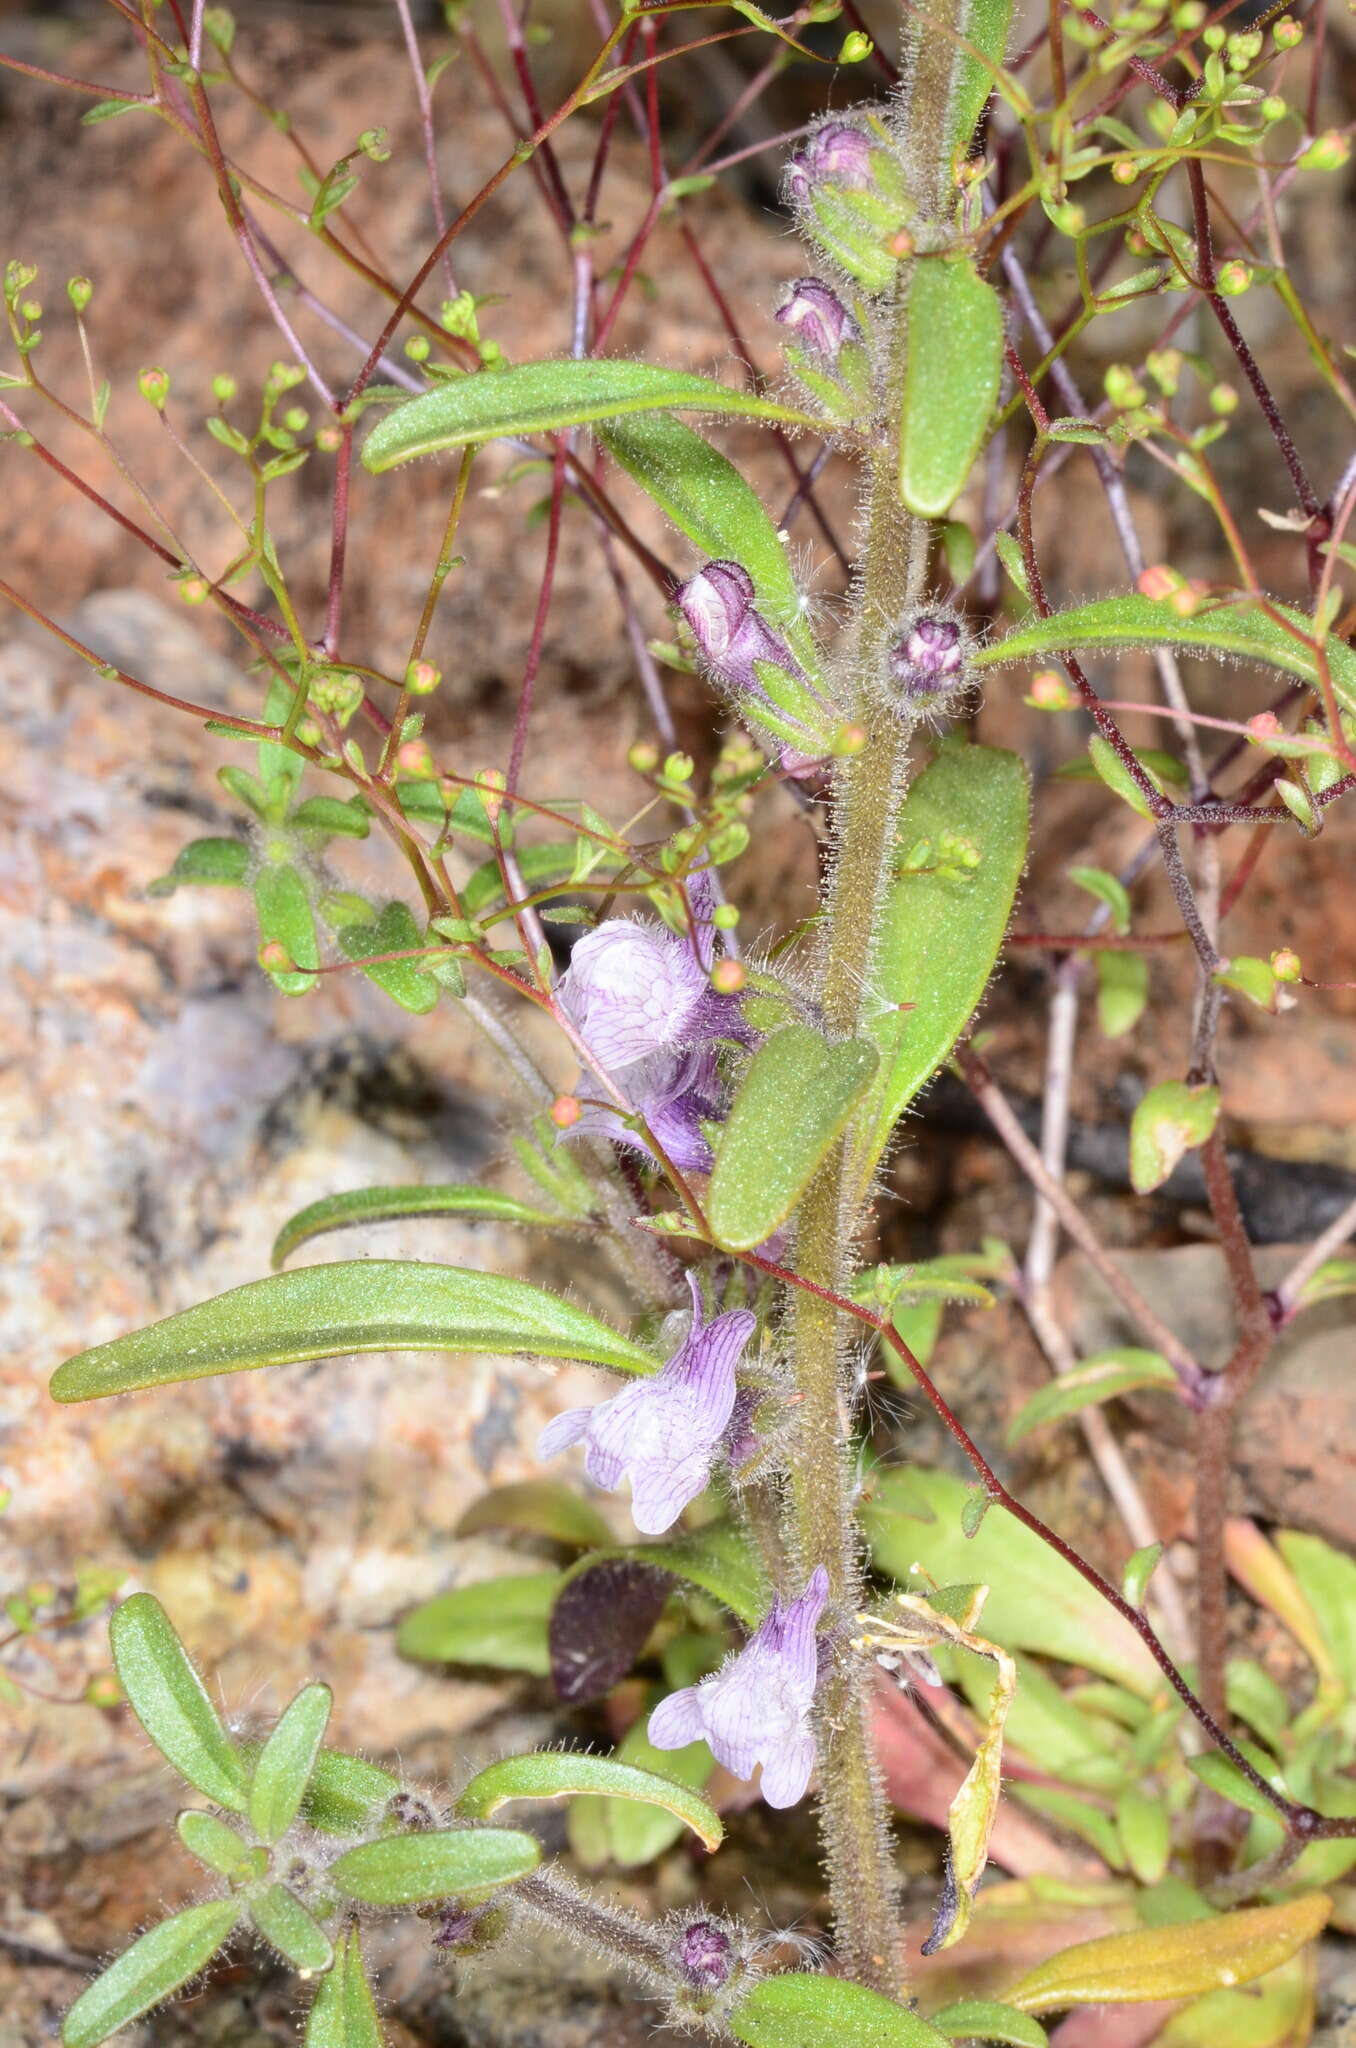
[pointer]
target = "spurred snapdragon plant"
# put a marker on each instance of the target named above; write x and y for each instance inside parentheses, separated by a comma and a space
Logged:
(780, 1594)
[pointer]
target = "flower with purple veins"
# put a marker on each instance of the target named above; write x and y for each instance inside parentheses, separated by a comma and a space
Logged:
(662, 1433)
(756, 1708)
(818, 319)
(634, 989)
(675, 1093)
(838, 153)
(731, 634)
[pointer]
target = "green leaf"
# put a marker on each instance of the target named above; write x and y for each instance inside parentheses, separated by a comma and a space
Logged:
(1108, 889)
(206, 863)
(109, 110)
(334, 816)
(1122, 991)
(331, 1311)
(801, 2009)
(987, 27)
(500, 1622)
(1334, 1278)
(170, 1701)
(1009, 552)
(1077, 1816)
(955, 359)
(940, 930)
(344, 1792)
(1328, 1581)
(1139, 1569)
(218, 1846)
(552, 1774)
(1100, 1378)
(150, 1971)
(287, 1926)
(1250, 977)
(284, 1767)
(623, 1832)
(984, 2019)
(409, 1870)
(718, 1559)
(1036, 1601)
(795, 1097)
(540, 398)
(1114, 772)
(538, 1507)
(1170, 1121)
(344, 2013)
(363, 1206)
(395, 931)
(1173, 1962)
(1146, 1832)
(1234, 628)
(283, 909)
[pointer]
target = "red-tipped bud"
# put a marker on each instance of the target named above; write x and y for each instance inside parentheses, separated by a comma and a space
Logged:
(565, 1112)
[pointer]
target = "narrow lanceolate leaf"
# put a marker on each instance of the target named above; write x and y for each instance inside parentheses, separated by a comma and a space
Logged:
(500, 1622)
(288, 1927)
(802, 2009)
(943, 920)
(955, 361)
(707, 499)
(170, 1701)
(285, 1762)
(551, 1775)
(623, 1832)
(796, 1095)
(539, 398)
(331, 1311)
(150, 1971)
(1173, 1962)
(219, 1846)
(1327, 1580)
(987, 26)
(344, 2014)
(362, 1206)
(1239, 629)
(409, 1870)
(1098, 1379)
(984, 2019)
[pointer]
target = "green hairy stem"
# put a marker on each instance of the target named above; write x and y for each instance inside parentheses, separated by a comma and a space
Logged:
(854, 1817)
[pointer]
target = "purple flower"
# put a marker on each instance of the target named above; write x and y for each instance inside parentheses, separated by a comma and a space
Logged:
(633, 989)
(662, 1433)
(838, 153)
(675, 1092)
(926, 656)
(818, 318)
(756, 1708)
(704, 1953)
(731, 634)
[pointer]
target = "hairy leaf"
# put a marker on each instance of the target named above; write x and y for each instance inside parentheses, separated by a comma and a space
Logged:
(623, 1832)
(344, 2014)
(409, 1870)
(148, 1972)
(170, 1701)
(795, 1097)
(538, 1507)
(283, 1769)
(987, 25)
(1170, 1121)
(984, 2019)
(955, 360)
(1173, 1962)
(802, 2009)
(209, 863)
(362, 1206)
(287, 1926)
(343, 1792)
(500, 1622)
(553, 1775)
(331, 1311)
(539, 398)
(1098, 1379)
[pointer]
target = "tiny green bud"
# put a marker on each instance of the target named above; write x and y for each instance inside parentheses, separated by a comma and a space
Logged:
(679, 768)
(1287, 33)
(194, 589)
(1188, 18)
(1273, 108)
(1125, 170)
(154, 386)
(725, 917)
(1050, 692)
(1223, 400)
(1165, 367)
(274, 958)
(855, 48)
(849, 739)
(1285, 964)
(328, 439)
(79, 291)
(372, 143)
(296, 418)
(422, 678)
(1123, 388)
(643, 758)
(224, 387)
(1327, 152)
(1215, 37)
(728, 977)
(417, 348)
(1234, 277)
(31, 309)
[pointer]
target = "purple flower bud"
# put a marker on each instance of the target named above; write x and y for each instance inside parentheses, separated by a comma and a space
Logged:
(662, 1433)
(838, 153)
(927, 658)
(756, 1708)
(704, 1952)
(731, 635)
(818, 318)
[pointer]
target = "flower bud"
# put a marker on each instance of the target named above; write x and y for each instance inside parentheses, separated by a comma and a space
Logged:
(154, 386)
(565, 1112)
(1234, 277)
(728, 977)
(704, 1953)
(1286, 965)
(818, 319)
(1326, 152)
(79, 291)
(847, 187)
(422, 678)
(224, 387)
(838, 153)
(1287, 33)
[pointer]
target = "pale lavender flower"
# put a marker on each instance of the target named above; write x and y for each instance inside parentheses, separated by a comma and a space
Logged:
(634, 989)
(756, 1708)
(838, 153)
(662, 1433)
(927, 655)
(675, 1092)
(731, 634)
(818, 319)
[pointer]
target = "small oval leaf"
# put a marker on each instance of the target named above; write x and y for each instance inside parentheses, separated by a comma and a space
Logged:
(1170, 1121)
(540, 398)
(553, 1775)
(363, 1206)
(343, 1792)
(216, 1844)
(170, 1701)
(344, 2014)
(406, 982)
(955, 361)
(330, 1311)
(500, 1622)
(1173, 1962)
(801, 2009)
(155, 1966)
(411, 1870)
(285, 1762)
(288, 1927)
(796, 1095)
